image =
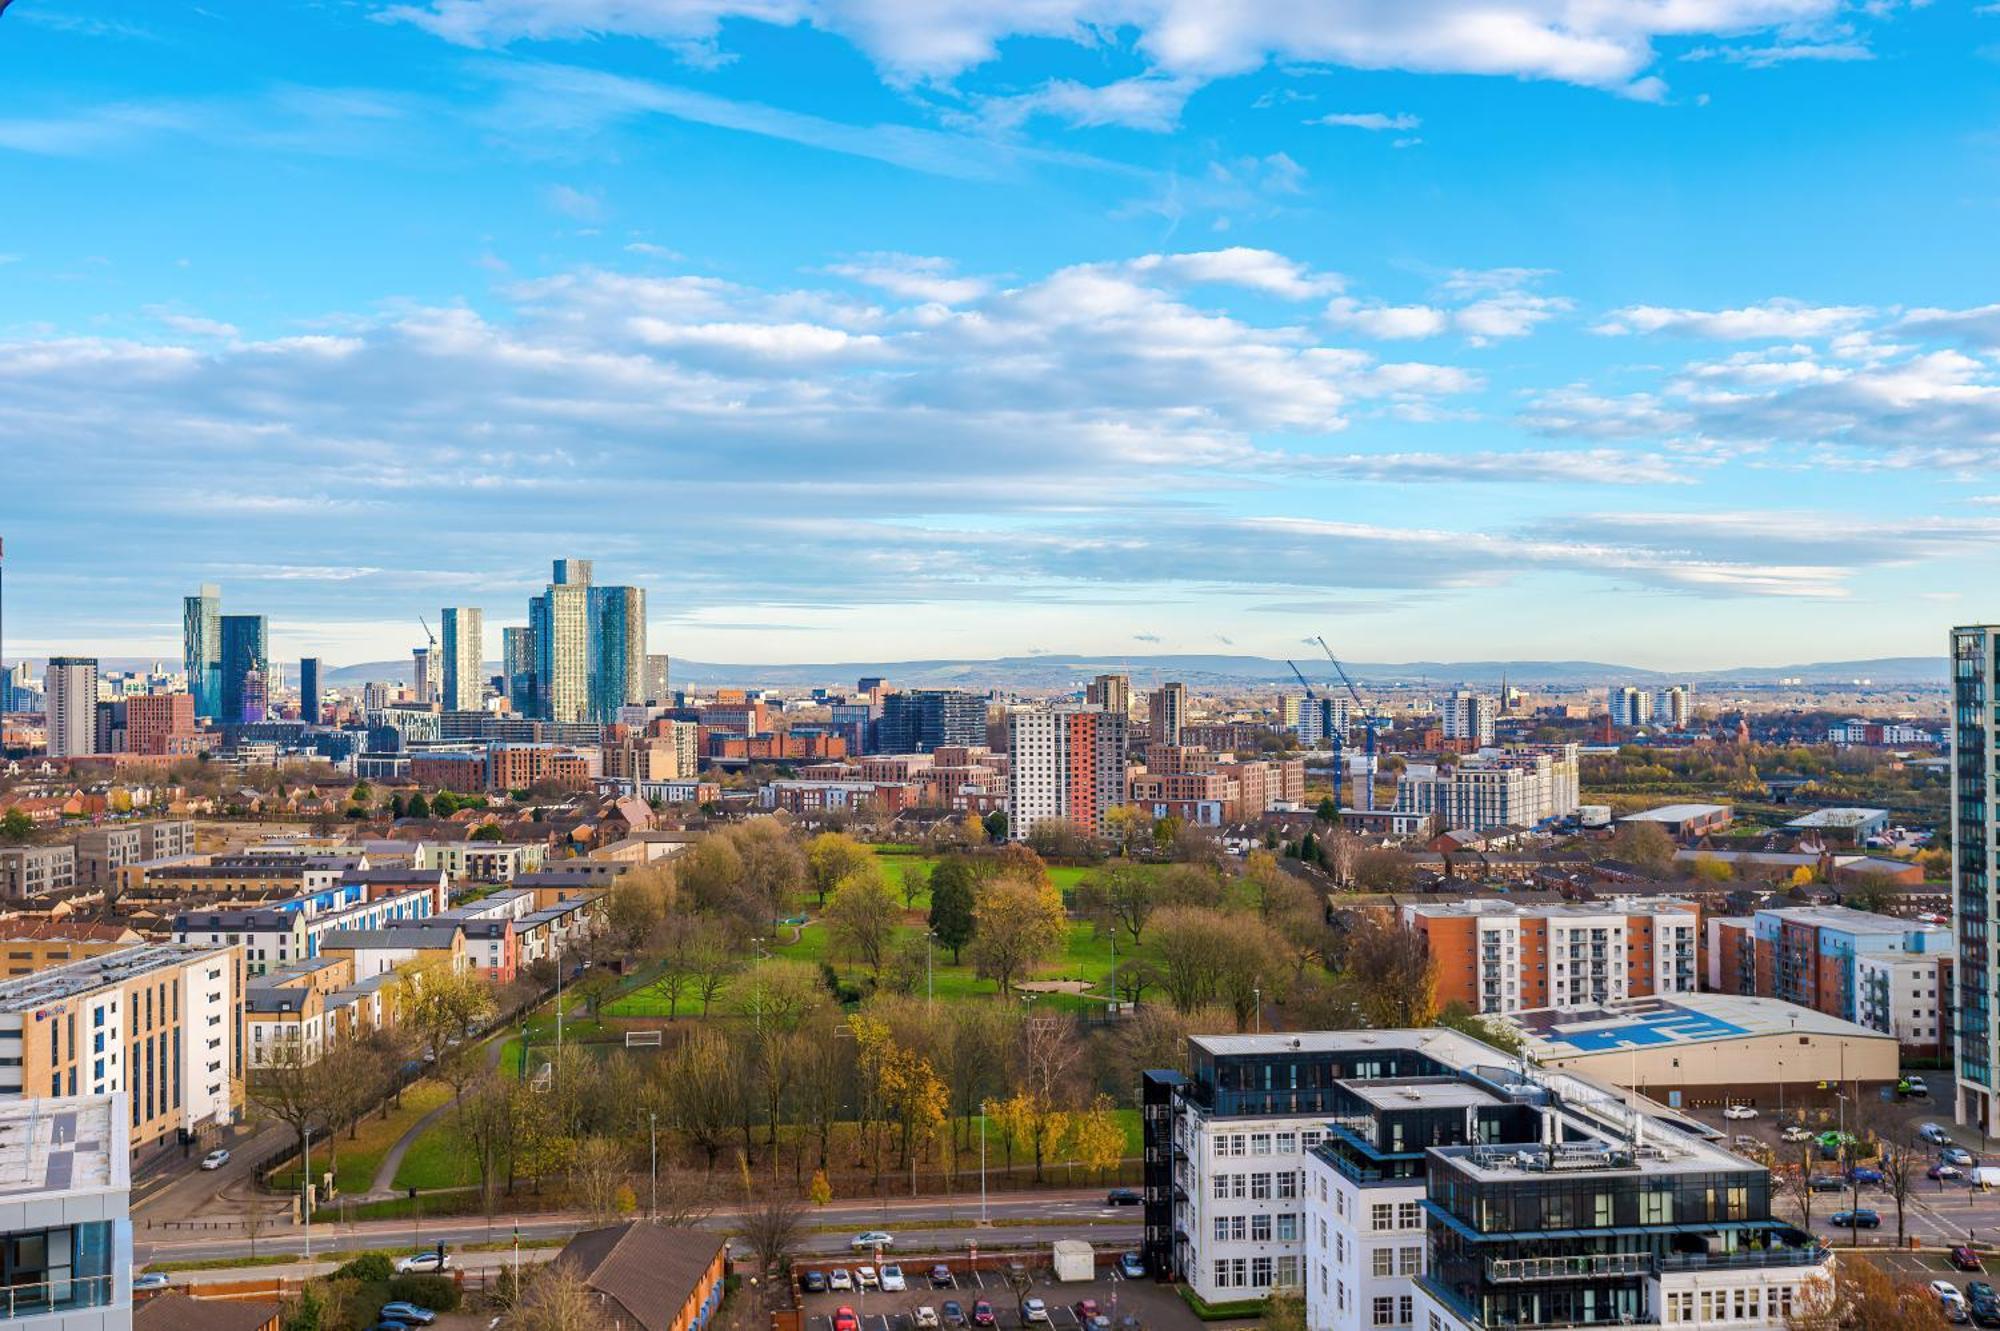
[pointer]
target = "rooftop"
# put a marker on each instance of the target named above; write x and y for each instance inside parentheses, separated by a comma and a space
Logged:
(1846, 919)
(1682, 1019)
(61, 1144)
(1838, 817)
(1675, 813)
(1508, 906)
(55, 983)
(1423, 1093)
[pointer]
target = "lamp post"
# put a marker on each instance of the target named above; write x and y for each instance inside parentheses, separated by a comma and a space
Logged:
(653, 1132)
(305, 1189)
(982, 1162)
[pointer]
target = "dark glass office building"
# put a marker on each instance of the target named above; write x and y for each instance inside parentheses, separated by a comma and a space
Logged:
(245, 661)
(923, 720)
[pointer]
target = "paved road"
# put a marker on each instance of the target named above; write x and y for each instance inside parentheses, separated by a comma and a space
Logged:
(185, 1190)
(930, 1224)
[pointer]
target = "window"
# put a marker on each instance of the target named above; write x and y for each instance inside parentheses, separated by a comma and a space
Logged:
(1288, 1272)
(1406, 1309)
(1228, 1228)
(1260, 1272)
(1322, 1278)
(1383, 1263)
(1288, 1142)
(1385, 1310)
(1322, 1189)
(1288, 1186)
(1409, 1261)
(1260, 1187)
(1340, 1295)
(1288, 1227)
(1260, 1143)
(1409, 1215)
(1260, 1229)
(1222, 1273)
(1221, 1187)
(1236, 1185)
(1382, 1215)
(1322, 1231)
(1310, 1138)
(1340, 1244)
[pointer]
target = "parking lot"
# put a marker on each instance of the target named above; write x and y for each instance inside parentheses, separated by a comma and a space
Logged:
(1132, 1305)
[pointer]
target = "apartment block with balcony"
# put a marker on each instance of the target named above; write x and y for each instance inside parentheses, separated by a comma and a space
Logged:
(65, 1214)
(1499, 956)
(1889, 974)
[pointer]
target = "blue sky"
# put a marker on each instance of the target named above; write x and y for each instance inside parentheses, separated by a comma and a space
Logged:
(1661, 332)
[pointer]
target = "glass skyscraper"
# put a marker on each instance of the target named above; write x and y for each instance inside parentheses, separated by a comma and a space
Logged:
(309, 690)
(245, 653)
(617, 650)
(201, 649)
(1975, 654)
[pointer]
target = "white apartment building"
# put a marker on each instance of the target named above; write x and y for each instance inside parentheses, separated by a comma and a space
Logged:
(65, 1213)
(1500, 956)
(1067, 764)
(1514, 787)
(1469, 716)
(1904, 994)
(69, 686)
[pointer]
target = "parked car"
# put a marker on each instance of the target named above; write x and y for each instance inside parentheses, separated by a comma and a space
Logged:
(1945, 1291)
(873, 1238)
(215, 1159)
(941, 1277)
(982, 1313)
(1034, 1310)
(1860, 1218)
(1979, 1289)
(1958, 1155)
(954, 1313)
(1795, 1133)
(866, 1278)
(1864, 1174)
(1964, 1258)
(845, 1320)
(1086, 1309)
(1826, 1183)
(1132, 1266)
(1934, 1134)
(151, 1280)
(813, 1282)
(840, 1280)
(418, 1262)
(927, 1317)
(1985, 1312)
(1739, 1111)
(1943, 1171)
(413, 1314)
(1124, 1197)
(892, 1279)
(1916, 1086)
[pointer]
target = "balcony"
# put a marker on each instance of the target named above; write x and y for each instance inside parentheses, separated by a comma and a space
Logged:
(38, 1298)
(1514, 1269)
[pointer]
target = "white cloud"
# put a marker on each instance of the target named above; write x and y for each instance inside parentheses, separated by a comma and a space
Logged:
(1776, 318)
(1607, 46)
(1496, 306)
(1764, 57)
(1387, 322)
(580, 205)
(1147, 102)
(1259, 270)
(1978, 326)
(193, 325)
(913, 277)
(1374, 121)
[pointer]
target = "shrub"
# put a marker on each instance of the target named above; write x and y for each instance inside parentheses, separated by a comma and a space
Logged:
(438, 1293)
(368, 1266)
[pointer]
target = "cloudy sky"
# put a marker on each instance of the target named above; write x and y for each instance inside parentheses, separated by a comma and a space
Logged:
(1659, 331)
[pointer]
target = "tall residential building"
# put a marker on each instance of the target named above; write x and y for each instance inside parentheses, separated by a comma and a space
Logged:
(159, 723)
(1469, 716)
(923, 720)
(1321, 719)
(517, 664)
(463, 629)
(1630, 706)
(1673, 706)
(1111, 692)
(658, 678)
(1975, 766)
(1888, 974)
(201, 649)
(617, 636)
(572, 573)
(67, 1228)
(1497, 956)
(1167, 711)
(425, 674)
(310, 690)
(1516, 787)
(70, 685)
(245, 651)
(1066, 764)
(560, 620)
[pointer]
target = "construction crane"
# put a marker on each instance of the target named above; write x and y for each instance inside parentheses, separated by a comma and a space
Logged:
(1333, 732)
(1368, 720)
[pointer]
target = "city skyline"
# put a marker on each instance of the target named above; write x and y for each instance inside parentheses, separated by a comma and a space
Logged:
(1660, 337)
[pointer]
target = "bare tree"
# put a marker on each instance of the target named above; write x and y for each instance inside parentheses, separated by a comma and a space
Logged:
(559, 1300)
(1797, 1185)
(1899, 1165)
(773, 1230)
(600, 1180)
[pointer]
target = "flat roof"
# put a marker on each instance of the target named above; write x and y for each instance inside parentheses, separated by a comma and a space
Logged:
(1422, 1093)
(1837, 817)
(1677, 1019)
(1506, 906)
(71, 978)
(1846, 919)
(61, 1144)
(1675, 813)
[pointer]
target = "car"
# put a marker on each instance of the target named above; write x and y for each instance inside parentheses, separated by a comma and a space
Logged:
(1859, 1218)
(1985, 1312)
(1956, 1312)
(1964, 1258)
(151, 1280)
(865, 1277)
(1132, 1266)
(418, 1262)
(1826, 1183)
(941, 1277)
(1979, 1289)
(1944, 1171)
(1945, 1291)
(215, 1159)
(1086, 1309)
(845, 1320)
(1795, 1133)
(1934, 1134)
(982, 1313)
(840, 1279)
(1124, 1197)
(1097, 1323)
(927, 1316)
(1864, 1174)
(954, 1313)
(413, 1314)
(1034, 1310)
(892, 1279)
(1739, 1111)
(813, 1282)
(1958, 1155)
(872, 1238)
(1916, 1086)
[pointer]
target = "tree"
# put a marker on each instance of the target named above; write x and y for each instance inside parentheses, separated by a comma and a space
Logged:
(486, 832)
(1096, 1138)
(1393, 975)
(637, 905)
(861, 916)
(289, 1088)
(831, 857)
(1060, 839)
(773, 1231)
(820, 1192)
(1499, 1034)
(559, 1300)
(1645, 846)
(600, 1180)
(711, 961)
(996, 825)
(1016, 924)
(1381, 870)
(1127, 824)
(1186, 955)
(954, 888)
(16, 826)
(1900, 1166)
(486, 1133)
(1796, 1184)
(1328, 812)
(418, 807)
(701, 1084)
(1709, 869)
(1121, 898)
(1859, 1294)
(443, 1008)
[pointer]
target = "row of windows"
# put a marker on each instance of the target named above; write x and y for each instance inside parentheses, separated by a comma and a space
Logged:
(1748, 1304)
(1229, 1144)
(1257, 1187)
(1258, 1228)
(1256, 1272)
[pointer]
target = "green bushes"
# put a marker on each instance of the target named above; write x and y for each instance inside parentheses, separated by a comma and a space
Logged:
(438, 1293)
(369, 1266)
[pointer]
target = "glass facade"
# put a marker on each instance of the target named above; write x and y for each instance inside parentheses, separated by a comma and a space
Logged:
(245, 659)
(57, 1270)
(617, 635)
(1972, 727)
(201, 649)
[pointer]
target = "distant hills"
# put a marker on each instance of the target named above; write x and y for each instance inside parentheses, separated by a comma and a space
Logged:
(1055, 671)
